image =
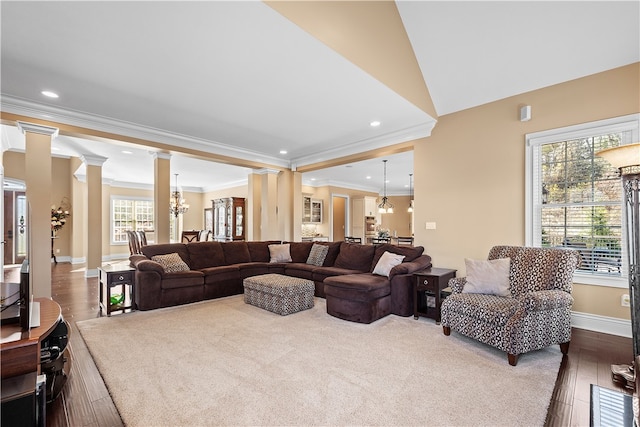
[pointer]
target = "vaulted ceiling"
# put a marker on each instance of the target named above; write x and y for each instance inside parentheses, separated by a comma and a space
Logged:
(239, 82)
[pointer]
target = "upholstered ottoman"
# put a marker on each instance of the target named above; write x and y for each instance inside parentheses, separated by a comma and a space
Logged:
(279, 294)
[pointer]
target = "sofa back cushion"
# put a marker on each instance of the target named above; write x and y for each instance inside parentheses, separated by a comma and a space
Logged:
(300, 251)
(536, 269)
(332, 254)
(206, 254)
(236, 252)
(354, 256)
(409, 252)
(259, 251)
(167, 248)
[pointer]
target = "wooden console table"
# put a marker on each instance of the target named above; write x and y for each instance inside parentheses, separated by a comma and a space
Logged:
(20, 350)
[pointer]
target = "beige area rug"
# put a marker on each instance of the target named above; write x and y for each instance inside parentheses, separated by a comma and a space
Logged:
(223, 362)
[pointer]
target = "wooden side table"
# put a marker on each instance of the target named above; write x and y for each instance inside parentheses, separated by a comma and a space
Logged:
(122, 278)
(428, 286)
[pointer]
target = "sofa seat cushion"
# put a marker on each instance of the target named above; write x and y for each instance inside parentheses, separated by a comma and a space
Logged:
(249, 269)
(359, 287)
(300, 269)
(182, 279)
(321, 273)
(222, 273)
(205, 254)
(486, 308)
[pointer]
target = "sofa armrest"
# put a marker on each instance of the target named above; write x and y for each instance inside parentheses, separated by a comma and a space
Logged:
(148, 265)
(135, 259)
(420, 263)
(546, 300)
(457, 284)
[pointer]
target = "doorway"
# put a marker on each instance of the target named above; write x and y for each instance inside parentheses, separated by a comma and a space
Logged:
(15, 224)
(339, 217)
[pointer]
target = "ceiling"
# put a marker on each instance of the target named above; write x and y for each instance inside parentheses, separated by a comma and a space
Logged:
(239, 79)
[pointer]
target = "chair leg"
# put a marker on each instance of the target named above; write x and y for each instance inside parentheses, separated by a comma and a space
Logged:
(446, 330)
(564, 347)
(513, 359)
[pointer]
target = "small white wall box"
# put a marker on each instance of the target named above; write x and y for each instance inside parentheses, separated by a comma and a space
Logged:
(525, 113)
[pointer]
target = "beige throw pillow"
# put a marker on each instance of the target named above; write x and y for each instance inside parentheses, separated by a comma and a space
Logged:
(171, 263)
(386, 262)
(280, 253)
(489, 277)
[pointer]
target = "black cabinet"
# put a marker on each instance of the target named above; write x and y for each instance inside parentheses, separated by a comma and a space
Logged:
(429, 291)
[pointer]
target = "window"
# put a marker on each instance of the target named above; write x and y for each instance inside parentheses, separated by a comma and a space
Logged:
(130, 214)
(574, 198)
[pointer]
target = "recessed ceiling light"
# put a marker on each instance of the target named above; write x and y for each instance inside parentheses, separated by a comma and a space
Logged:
(283, 151)
(49, 94)
(369, 177)
(126, 152)
(313, 179)
(375, 123)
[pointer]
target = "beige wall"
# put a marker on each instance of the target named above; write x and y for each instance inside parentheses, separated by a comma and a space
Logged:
(470, 174)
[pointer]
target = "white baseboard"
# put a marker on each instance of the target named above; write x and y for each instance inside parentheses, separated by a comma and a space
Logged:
(80, 260)
(62, 259)
(91, 272)
(605, 324)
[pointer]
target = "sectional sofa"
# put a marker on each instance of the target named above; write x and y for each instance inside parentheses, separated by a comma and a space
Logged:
(344, 273)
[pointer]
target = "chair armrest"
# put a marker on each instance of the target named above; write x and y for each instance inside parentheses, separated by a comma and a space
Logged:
(456, 284)
(545, 300)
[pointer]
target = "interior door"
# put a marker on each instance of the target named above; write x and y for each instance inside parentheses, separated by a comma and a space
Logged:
(339, 215)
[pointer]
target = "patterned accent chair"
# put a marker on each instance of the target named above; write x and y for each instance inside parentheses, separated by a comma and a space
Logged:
(537, 315)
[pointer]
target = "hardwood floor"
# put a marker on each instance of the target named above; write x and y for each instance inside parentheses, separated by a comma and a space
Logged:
(85, 400)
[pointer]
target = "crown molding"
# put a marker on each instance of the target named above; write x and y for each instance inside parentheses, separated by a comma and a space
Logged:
(181, 142)
(412, 133)
(118, 127)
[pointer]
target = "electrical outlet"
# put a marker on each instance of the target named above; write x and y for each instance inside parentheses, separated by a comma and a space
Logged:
(57, 251)
(624, 300)
(430, 225)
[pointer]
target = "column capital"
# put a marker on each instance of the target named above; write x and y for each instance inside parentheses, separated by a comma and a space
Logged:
(160, 155)
(266, 171)
(36, 128)
(92, 160)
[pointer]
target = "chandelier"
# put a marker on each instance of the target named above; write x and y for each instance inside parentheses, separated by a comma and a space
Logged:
(410, 208)
(385, 206)
(178, 205)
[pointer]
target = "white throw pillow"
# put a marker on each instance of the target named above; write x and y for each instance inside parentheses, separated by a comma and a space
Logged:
(386, 262)
(280, 253)
(489, 277)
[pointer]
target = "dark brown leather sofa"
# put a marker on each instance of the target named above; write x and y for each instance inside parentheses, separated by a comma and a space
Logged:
(345, 278)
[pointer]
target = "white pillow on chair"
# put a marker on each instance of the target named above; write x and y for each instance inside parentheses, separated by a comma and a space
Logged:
(489, 277)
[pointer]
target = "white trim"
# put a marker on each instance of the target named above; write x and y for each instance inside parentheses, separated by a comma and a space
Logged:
(79, 260)
(533, 141)
(604, 324)
(91, 272)
(36, 128)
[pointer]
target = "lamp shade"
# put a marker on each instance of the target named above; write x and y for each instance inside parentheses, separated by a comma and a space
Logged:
(622, 156)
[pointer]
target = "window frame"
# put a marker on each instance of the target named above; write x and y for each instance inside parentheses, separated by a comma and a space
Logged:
(533, 202)
(111, 219)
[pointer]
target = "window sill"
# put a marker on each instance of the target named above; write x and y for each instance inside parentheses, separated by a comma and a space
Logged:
(596, 280)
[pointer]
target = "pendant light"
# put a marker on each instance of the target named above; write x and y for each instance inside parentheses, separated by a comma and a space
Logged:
(385, 206)
(178, 205)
